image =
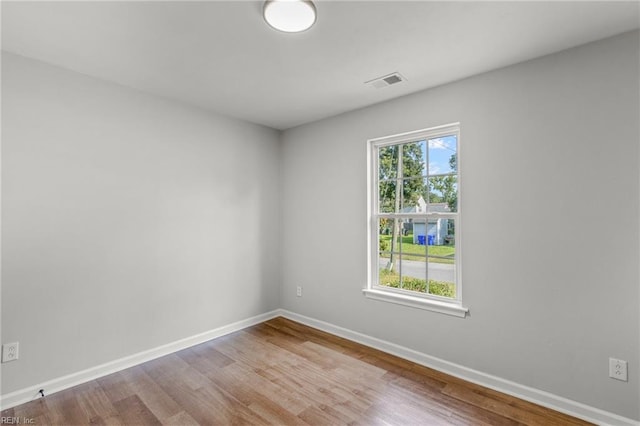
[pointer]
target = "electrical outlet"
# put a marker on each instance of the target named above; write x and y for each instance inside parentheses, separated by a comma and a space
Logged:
(299, 291)
(9, 352)
(618, 369)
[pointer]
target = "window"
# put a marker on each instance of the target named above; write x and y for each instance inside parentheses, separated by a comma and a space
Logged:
(414, 222)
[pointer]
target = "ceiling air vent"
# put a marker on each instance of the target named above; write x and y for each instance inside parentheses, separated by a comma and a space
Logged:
(386, 80)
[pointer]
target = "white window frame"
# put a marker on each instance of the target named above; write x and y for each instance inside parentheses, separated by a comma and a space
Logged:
(398, 296)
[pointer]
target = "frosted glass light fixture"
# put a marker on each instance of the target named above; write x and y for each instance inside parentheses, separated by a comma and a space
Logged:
(290, 16)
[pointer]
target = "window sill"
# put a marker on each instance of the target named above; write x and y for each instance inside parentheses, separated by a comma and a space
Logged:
(417, 302)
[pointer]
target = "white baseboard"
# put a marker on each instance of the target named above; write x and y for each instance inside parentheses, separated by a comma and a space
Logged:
(30, 393)
(545, 399)
(517, 390)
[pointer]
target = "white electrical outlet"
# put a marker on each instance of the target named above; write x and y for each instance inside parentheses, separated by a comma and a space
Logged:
(618, 369)
(10, 352)
(299, 291)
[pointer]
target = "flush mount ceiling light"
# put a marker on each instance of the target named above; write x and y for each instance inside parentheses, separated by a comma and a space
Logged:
(290, 16)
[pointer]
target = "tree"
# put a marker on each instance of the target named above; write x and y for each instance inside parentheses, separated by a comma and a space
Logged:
(447, 186)
(410, 169)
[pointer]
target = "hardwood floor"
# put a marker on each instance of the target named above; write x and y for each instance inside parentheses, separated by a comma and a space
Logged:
(281, 372)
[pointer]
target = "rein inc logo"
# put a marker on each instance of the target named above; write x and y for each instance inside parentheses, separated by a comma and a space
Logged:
(17, 421)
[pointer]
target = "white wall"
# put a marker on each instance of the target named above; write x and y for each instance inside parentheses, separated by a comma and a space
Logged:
(128, 221)
(549, 150)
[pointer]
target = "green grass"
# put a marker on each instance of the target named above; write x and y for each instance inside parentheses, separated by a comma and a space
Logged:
(440, 288)
(412, 251)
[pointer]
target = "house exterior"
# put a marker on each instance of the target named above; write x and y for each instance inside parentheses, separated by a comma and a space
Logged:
(433, 231)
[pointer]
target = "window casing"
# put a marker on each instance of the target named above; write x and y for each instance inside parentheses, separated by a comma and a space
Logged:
(414, 219)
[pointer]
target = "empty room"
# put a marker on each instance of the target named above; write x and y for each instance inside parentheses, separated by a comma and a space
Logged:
(294, 212)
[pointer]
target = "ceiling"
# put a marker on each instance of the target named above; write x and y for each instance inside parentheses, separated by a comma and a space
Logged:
(222, 56)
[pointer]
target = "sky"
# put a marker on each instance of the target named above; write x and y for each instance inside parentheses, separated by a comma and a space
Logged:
(440, 151)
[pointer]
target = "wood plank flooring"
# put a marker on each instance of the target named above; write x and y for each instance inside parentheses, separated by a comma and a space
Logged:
(283, 373)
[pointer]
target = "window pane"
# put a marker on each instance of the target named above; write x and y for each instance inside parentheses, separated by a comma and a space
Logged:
(385, 227)
(443, 193)
(387, 197)
(442, 257)
(442, 280)
(389, 241)
(443, 155)
(398, 227)
(387, 162)
(413, 191)
(391, 235)
(388, 277)
(440, 236)
(414, 245)
(393, 244)
(414, 159)
(413, 275)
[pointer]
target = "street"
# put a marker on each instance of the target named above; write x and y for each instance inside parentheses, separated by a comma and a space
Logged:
(437, 271)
